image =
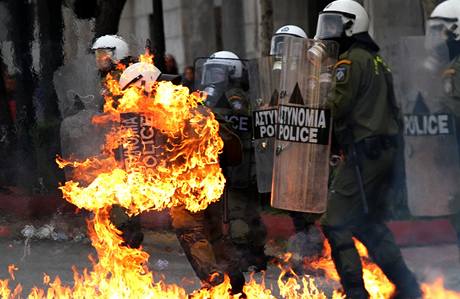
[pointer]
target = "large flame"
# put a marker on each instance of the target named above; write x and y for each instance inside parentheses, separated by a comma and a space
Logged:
(162, 150)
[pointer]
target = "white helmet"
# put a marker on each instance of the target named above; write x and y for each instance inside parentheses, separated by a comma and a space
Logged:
(114, 43)
(143, 74)
(342, 16)
(220, 66)
(444, 21)
(140, 74)
(280, 35)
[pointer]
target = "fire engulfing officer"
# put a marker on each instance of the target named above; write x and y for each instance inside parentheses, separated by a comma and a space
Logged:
(200, 234)
(366, 122)
(111, 53)
(444, 30)
(223, 76)
(304, 223)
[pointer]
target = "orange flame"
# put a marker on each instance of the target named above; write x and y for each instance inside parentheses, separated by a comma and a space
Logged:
(181, 137)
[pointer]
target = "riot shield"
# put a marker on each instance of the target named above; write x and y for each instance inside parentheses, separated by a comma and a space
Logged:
(80, 138)
(431, 149)
(302, 145)
(83, 68)
(227, 85)
(264, 111)
(79, 101)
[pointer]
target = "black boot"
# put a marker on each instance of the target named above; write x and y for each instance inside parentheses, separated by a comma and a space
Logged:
(237, 281)
(357, 293)
(253, 259)
(406, 284)
(132, 239)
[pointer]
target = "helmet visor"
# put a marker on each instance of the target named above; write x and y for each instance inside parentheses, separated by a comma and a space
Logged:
(277, 45)
(214, 74)
(330, 25)
(103, 58)
(437, 32)
(436, 42)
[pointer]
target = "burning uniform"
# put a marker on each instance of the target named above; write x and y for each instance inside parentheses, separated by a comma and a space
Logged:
(443, 30)
(224, 77)
(366, 126)
(112, 58)
(199, 233)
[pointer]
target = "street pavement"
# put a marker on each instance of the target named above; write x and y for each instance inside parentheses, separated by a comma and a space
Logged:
(166, 257)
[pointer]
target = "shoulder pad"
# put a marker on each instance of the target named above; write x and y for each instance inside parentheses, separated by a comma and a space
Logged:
(343, 61)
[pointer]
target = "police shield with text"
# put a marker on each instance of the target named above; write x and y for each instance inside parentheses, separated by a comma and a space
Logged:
(444, 32)
(302, 145)
(431, 149)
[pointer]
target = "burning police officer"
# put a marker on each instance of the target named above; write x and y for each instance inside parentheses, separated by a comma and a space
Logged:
(200, 234)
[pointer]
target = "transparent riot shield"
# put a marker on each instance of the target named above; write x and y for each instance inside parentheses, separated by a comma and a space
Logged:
(69, 91)
(229, 91)
(431, 148)
(302, 145)
(79, 102)
(264, 111)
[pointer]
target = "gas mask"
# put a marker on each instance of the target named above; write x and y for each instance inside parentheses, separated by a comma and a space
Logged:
(104, 59)
(215, 82)
(437, 41)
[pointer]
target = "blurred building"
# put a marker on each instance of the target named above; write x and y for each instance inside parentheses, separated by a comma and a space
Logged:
(195, 28)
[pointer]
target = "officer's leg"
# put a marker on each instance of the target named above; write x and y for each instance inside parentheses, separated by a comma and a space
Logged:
(257, 229)
(344, 206)
(376, 236)
(383, 250)
(299, 221)
(226, 255)
(347, 261)
(247, 230)
(129, 226)
(306, 243)
(193, 237)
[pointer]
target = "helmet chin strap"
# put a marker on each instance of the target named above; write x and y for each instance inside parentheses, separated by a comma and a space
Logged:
(134, 80)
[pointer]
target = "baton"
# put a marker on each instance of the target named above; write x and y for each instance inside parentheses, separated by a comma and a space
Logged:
(359, 178)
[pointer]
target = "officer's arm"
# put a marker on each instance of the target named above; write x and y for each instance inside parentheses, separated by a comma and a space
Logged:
(347, 80)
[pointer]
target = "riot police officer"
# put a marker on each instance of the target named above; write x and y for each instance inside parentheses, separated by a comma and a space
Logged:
(365, 127)
(224, 77)
(109, 50)
(200, 234)
(444, 31)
